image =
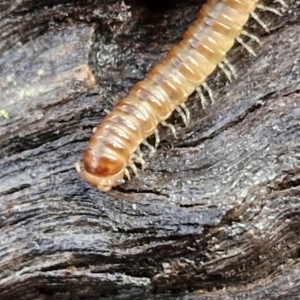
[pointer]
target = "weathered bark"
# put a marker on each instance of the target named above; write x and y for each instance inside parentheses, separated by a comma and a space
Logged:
(216, 213)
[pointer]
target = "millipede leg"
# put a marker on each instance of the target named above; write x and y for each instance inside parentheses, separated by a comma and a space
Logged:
(209, 91)
(133, 167)
(150, 147)
(283, 4)
(157, 139)
(260, 22)
(230, 67)
(248, 48)
(270, 9)
(251, 36)
(165, 124)
(182, 115)
(203, 100)
(78, 167)
(226, 72)
(139, 152)
(127, 174)
(137, 158)
(187, 114)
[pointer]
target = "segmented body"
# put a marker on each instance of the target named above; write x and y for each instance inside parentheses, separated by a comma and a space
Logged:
(152, 100)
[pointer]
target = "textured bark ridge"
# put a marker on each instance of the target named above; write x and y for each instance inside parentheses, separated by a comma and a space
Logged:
(215, 214)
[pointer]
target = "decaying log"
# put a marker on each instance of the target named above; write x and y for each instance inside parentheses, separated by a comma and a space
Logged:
(216, 213)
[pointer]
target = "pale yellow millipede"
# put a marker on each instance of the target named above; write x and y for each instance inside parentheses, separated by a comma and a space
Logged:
(166, 87)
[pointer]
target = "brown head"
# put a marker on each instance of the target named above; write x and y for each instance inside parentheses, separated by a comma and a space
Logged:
(102, 172)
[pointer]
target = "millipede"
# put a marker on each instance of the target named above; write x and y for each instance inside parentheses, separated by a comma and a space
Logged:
(115, 143)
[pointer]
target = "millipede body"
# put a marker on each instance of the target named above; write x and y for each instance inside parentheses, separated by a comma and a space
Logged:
(167, 86)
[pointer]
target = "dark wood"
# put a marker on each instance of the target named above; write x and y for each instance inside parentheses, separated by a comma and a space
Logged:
(216, 213)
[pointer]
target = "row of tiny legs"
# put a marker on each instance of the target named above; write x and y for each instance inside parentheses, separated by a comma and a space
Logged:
(230, 73)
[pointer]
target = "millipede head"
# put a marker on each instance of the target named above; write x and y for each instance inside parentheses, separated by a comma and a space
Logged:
(103, 183)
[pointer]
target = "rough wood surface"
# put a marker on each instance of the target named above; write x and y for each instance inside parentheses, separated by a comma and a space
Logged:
(216, 213)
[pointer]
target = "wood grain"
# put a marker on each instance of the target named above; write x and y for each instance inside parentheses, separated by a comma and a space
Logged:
(216, 213)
